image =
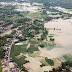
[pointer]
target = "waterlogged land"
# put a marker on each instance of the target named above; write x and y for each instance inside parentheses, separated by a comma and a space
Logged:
(62, 35)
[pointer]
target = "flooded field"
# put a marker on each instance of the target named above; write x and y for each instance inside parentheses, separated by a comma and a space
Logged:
(62, 31)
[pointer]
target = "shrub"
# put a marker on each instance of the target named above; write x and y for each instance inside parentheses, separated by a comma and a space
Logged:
(42, 65)
(52, 39)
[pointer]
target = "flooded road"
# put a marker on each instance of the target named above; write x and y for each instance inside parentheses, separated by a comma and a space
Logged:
(62, 35)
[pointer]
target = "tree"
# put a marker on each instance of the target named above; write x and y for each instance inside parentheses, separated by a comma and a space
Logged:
(48, 18)
(2, 41)
(13, 32)
(49, 61)
(53, 69)
(41, 45)
(1, 53)
(24, 69)
(44, 12)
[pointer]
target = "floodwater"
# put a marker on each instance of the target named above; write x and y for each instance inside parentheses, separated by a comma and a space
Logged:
(62, 35)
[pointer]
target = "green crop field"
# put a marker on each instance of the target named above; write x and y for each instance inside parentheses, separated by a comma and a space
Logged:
(17, 49)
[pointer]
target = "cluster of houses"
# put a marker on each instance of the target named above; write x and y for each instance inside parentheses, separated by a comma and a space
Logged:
(69, 69)
(7, 60)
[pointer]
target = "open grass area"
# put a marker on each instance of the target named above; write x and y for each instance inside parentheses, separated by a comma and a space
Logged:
(33, 42)
(57, 63)
(17, 49)
(70, 9)
(20, 61)
(14, 17)
(32, 15)
(50, 45)
(44, 43)
(36, 54)
(44, 62)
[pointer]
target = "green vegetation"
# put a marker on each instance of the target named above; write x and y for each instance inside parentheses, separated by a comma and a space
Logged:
(50, 45)
(23, 20)
(52, 39)
(34, 42)
(9, 23)
(20, 61)
(48, 18)
(21, 39)
(23, 69)
(49, 61)
(1, 53)
(34, 15)
(50, 36)
(0, 66)
(13, 32)
(41, 45)
(36, 54)
(43, 61)
(70, 9)
(2, 42)
(8, 36)
(29, 25)
(42, 65)
(17, 49)
(65, 67)
(45, 33)
(68, 57)
(32, 48)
